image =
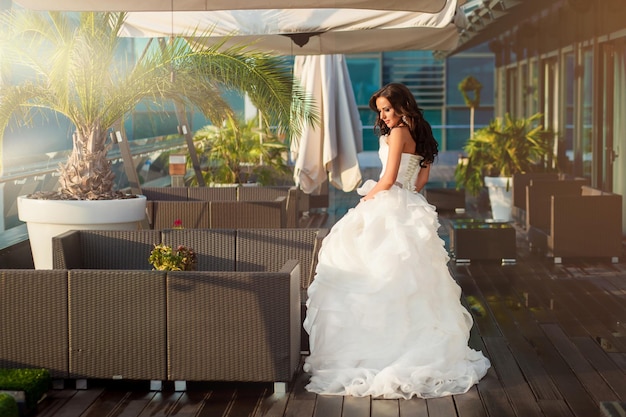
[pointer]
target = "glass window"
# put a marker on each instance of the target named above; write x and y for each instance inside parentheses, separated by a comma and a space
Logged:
(365, 77)
(566, 149)
(587, 130)
(511, 91)
(533, 87)
(458, 125)
(481, 68)
(524, 87)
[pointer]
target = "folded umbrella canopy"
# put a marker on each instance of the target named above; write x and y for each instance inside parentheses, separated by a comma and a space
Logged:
(330, 148)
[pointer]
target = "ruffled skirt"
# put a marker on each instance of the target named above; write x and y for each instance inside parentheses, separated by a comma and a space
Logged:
(383, 313)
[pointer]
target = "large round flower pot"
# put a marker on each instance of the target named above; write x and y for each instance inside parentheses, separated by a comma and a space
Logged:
(500, 197)
(48, 218)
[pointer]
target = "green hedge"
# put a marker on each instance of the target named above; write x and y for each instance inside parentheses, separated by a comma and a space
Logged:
(34, 382)
(8, 405)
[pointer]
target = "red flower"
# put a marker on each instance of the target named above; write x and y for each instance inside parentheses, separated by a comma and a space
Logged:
(178, 224)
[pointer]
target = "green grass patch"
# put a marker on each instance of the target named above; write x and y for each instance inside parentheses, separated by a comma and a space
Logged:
(34, 382)
(8, 406)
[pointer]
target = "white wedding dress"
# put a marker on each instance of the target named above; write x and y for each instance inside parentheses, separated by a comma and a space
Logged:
(384, 315)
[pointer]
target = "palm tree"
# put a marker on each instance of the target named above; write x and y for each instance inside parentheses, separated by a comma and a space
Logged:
(76, 71)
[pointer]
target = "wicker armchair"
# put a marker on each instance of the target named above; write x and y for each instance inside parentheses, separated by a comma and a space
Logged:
(520, 181)
(585, 225)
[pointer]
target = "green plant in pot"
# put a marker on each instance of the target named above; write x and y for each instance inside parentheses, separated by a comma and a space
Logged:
(239, 152)
(504, 147)
(71, 66)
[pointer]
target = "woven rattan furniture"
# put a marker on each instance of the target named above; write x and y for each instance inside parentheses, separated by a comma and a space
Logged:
(165, 193)
(117, 324)
(478, 239)
(445, 199)
(192, 214)
(248, 214)
(244, 250)
(214, 248)
(518, 185)
(538, 198)
(34, 320)
(296, 201)
(153, 325)
(267, 249)
(213, 193)
(585, 225)
(104, 249)
(292, 194)
(234, 326)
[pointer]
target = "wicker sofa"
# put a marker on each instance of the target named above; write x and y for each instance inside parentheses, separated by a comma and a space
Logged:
(233, 265)
(226, 207)
(103, 313)
(582, 224)
(152, 325)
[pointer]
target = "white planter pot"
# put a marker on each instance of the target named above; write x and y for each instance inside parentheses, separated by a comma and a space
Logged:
(48, 218)
(500, 197)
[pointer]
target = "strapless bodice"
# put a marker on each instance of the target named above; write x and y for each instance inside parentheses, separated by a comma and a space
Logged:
(409, 165)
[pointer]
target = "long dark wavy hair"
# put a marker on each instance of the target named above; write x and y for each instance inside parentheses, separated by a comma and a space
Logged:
(404, 104)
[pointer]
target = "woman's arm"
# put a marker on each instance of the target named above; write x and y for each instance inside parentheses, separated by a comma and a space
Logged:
(422, 177)
(396, 144)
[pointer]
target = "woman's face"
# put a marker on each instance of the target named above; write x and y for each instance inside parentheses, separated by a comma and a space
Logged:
(386, 112)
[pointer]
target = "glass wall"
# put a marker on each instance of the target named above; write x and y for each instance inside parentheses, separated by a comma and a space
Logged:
(587, 113)
(566, 163)
(435, 86)
(479, 63)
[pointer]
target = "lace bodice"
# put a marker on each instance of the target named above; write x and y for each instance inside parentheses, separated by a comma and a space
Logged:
(409, 165)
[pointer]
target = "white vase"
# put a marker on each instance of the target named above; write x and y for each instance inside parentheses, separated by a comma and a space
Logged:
(48, 218)
(500, 197)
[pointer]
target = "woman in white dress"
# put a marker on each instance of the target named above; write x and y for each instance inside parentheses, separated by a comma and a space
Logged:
(384, 315)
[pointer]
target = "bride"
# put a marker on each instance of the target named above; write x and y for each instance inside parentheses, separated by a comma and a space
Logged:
(384, 315)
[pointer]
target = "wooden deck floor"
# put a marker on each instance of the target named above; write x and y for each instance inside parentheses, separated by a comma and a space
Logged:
(556, 336)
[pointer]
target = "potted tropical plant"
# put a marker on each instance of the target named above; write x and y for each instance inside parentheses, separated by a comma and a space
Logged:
(72, 67)
(504, 147)
(241, 152)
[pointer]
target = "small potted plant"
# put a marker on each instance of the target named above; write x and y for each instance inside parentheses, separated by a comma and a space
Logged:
(166, 258)
(505, 147)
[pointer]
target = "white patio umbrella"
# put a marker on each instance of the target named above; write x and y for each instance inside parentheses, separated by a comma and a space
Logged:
(329, 150)
(288, 27)
(300, 27)
(306, 31)
(430, 6)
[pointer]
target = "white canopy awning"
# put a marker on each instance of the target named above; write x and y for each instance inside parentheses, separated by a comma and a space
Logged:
(289, 27)
(429, 6)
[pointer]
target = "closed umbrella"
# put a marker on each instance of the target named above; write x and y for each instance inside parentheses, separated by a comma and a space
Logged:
(328, 150)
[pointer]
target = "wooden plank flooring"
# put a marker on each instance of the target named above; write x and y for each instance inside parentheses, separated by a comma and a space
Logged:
(556, 336)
